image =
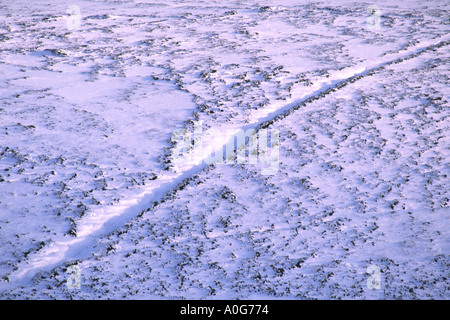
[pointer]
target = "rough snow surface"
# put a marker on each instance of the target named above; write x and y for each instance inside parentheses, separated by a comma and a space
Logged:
(89, 176)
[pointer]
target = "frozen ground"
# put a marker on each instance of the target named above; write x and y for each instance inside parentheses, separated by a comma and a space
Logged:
(87, 176)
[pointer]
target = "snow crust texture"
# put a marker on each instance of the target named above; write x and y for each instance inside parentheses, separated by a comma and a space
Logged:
(87, 175)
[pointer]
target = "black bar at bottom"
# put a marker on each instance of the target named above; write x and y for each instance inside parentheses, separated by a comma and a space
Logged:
(222, 309)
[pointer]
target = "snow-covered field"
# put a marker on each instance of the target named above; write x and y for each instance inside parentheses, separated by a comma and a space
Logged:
(91, 188)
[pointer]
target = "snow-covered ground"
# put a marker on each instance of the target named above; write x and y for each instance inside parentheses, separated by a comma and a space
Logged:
(90, 180)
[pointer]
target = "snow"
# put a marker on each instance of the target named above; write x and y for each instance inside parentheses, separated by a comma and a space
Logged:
(89, 174)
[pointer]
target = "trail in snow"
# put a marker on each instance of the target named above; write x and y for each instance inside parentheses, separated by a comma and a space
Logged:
(105, 221)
